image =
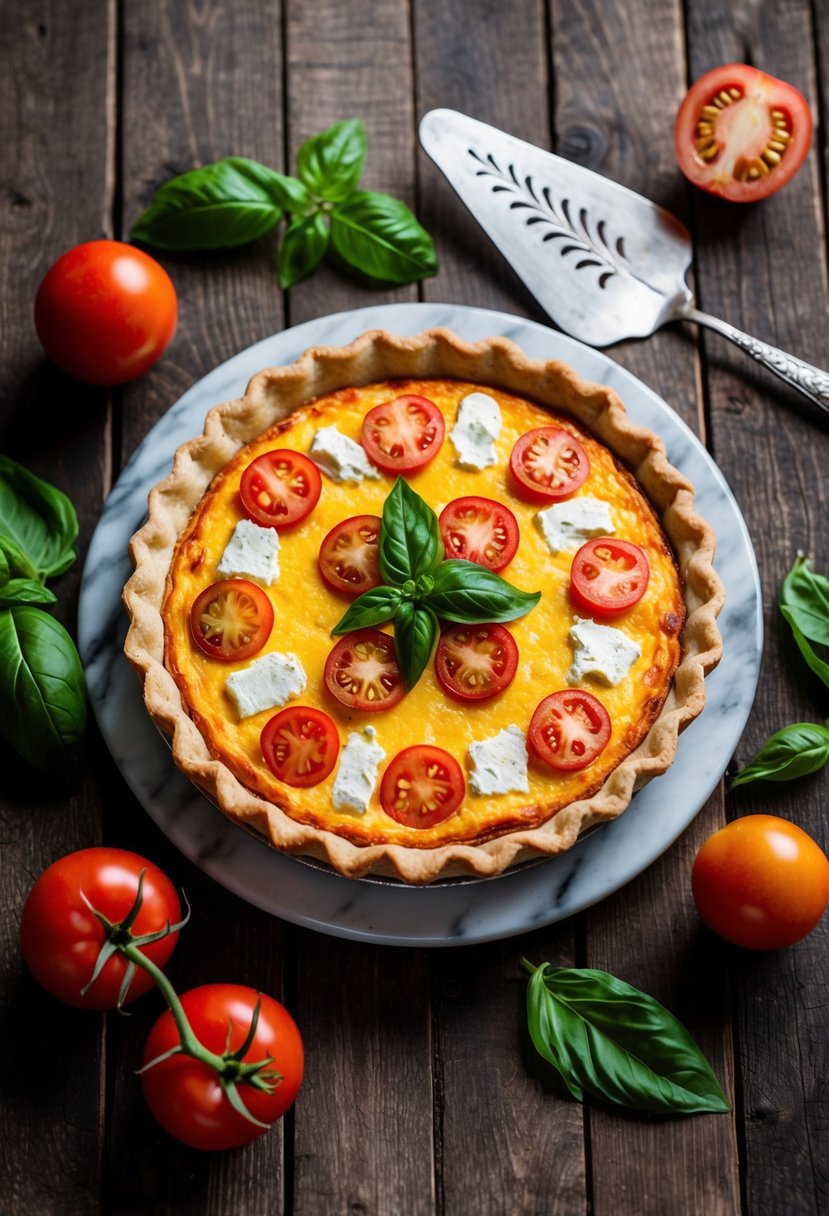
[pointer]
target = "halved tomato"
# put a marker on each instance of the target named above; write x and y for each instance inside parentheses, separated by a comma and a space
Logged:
(231, 620)
(475, 662)
(608, 576)
(569, 729)
(348, 555)
(742, 134)
(479, 530)
(362, 673)
(548, 464)
(300, 745)
(280, 488)
(403, 435)
(422, 786)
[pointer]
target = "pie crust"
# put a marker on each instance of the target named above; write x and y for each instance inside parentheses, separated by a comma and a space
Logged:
(274, 396)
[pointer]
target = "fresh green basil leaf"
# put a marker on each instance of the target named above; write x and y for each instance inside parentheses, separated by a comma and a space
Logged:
(415, 633)
(38, 524)
(468, 593)
(410, 543)
(379, 236)
(373, 607)
(228, 203)
(608, 1039)
(42, 690)
(5, 569)
(805, 597)
(813, 660)
(330, 164)
(791, 752)
(25, 591)
(303, 248)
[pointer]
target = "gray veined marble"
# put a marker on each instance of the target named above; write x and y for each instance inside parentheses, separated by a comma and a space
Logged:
(452, 913)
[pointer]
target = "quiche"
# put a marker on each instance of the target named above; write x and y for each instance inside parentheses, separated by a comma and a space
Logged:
(422, 607)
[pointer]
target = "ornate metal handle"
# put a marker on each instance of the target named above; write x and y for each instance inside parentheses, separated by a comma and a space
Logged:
(811, 381)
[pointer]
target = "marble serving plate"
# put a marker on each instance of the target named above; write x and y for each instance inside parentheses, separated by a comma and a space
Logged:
(450, 913)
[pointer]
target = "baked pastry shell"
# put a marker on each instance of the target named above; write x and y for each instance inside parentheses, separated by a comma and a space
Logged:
(272, 396)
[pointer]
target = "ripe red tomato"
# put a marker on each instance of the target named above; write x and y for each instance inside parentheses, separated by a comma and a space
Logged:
(569, 729)
(105, 312)
(300, 745)
(742, 134)
(422, 786)
(186, 1096)
(280, 488)
(475, 662)
(403, 435)
(761, 882)
(362, 673)
(60, 937)
(231, 620)
(608, 576)
(548, 464)
(479, 530)
(348, 555)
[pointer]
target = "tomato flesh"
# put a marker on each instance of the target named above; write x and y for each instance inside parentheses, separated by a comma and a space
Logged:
(569, 729)
(476, 662)
(300, 745)
(548, 464)
(403, 435)
(479, 530)
(361, 671)
(231, 620)
(348, 555)
(422, 786)
(280, 488)
(608, 576)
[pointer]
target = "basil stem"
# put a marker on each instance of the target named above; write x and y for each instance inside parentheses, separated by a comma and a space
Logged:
(373, 607)
(791, 752)
(415, 633)
(468, 593)
(410, 543)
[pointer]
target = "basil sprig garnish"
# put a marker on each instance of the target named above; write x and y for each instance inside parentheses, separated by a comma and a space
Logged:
(610, 1041)
(236, 200)
(421, 585)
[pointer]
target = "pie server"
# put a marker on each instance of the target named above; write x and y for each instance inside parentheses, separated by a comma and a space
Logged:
(604, 263)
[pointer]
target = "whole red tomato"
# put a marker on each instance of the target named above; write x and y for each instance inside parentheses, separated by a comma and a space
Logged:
(186, 1095)
(105, 312)
(61, 938)
(761, 882)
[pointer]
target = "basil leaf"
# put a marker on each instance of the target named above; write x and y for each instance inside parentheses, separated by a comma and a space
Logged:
(228, 203)
(410, 543)
(5, 571)
(378, 235)
(613, 1042)
(415, 633)
(303, 248)
(373, 607)
(42, 690)
(330, 164)
(813, 660)
(467, 593)
(38, 524)
(791, 752)
(805, 597)
(25, 591)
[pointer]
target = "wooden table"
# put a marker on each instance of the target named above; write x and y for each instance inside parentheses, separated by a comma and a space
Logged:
(420, 1093)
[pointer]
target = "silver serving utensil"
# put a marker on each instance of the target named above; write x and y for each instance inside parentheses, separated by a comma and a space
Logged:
(603, 262)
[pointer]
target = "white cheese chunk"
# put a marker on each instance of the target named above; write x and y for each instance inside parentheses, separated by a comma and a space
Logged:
(340, 457)
(266, 683)
(499, 764)
(600, 651)
(477, 427)
(567, 525)
(357, 772)
(251, 552)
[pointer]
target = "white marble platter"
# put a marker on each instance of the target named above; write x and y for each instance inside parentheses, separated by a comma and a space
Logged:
(383, 911)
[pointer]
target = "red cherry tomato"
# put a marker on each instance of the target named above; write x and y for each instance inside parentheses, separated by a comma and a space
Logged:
(548, 464)
(61, 938)
(479, 530)
(761, 882)
(403, 435)
(362, 673)
(569, 729)
(422, 786)
(742, 134)
(231, 620)
(608, 576)
(280, 488)
(348, 555)
(186, 1096)
(300, 745)
(105, 312)
(475, 662)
